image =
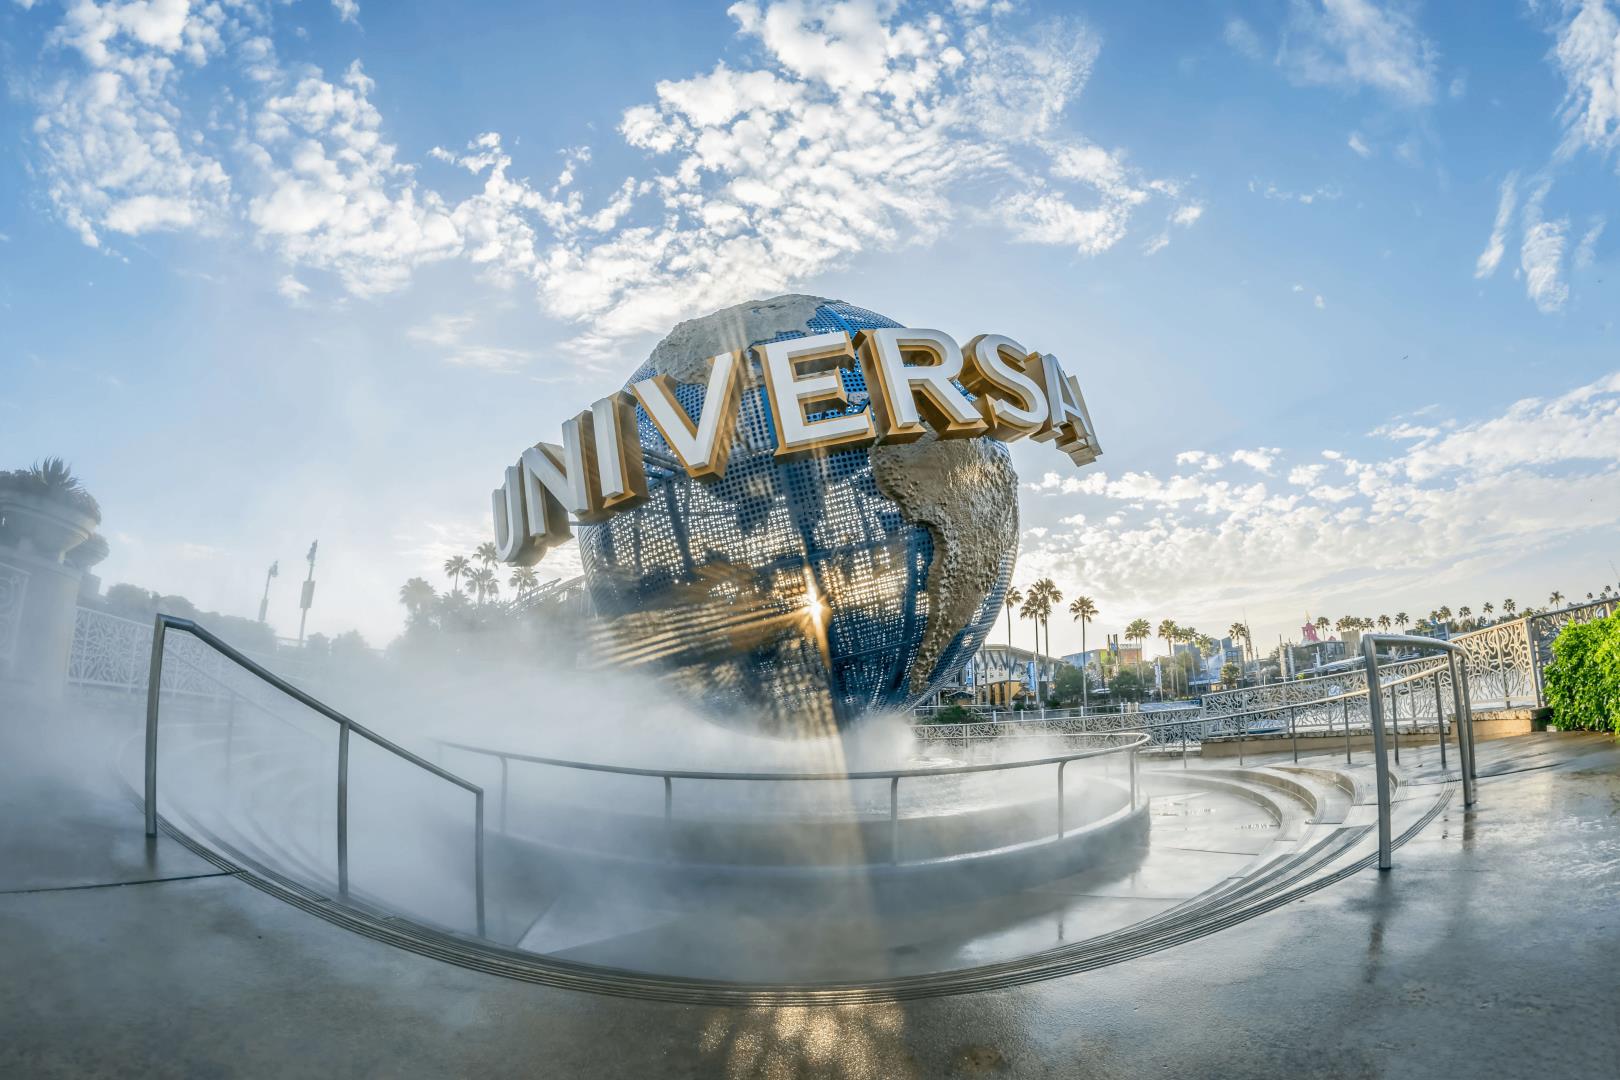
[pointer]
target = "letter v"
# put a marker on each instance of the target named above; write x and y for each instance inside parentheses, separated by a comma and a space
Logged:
(703, 447)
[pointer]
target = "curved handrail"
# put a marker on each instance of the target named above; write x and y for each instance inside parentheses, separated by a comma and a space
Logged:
(893, 776)
(879, 774)
(162, 623)
(1375, 716)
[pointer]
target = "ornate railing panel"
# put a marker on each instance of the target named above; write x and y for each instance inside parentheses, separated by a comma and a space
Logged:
(13, 587)
(1544, 628)
(1164, 725)
(1308, 696)
(1501, 664)
(115, 653)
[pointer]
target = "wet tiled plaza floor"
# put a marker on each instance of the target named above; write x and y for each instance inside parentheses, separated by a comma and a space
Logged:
(1491, 950)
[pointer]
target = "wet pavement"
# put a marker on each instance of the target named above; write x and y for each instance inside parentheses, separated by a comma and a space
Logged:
(1491, 950)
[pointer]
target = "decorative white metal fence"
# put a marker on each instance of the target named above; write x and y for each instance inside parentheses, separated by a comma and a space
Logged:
(1504, 667)
(13, 587)
(114, 653)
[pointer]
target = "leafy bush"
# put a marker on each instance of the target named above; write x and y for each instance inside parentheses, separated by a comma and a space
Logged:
(952, 714)
(1583, 681)
(53, 478)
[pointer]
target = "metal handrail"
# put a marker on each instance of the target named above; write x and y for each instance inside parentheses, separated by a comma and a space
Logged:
(1375, 715)
(162, 623)
(894, 776)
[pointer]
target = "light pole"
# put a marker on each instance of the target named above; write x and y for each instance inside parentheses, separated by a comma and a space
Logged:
(308, 596)
(264, 602)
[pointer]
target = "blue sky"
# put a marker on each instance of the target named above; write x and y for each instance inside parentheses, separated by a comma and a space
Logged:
(1339, 279)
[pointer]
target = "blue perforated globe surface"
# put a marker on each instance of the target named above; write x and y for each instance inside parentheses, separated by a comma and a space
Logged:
(715, 583)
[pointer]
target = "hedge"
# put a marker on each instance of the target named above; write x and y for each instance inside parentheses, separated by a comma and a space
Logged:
(1583, 681)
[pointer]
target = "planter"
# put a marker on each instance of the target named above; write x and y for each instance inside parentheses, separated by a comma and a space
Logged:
(41, 525)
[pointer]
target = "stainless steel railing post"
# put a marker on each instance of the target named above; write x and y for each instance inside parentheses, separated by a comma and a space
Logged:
(1395, 719)
(1440, 719)
(343, 811)
(1061, 764)
(1465, 732)
(478, 855)
(669, 817)
(154, 688)
(1347, 731)
(1468, 705)
(1293, 733)
(894, 820)
(1375, 713)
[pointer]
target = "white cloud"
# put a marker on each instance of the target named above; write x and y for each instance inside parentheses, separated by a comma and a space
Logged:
(114, 151)
(1582, 425)
(1269, 190)
(853, 126)
(1320, 303)
(449, 333)
(1541, 255)
(1260, 459)
(333, 197)
(292, 289)
(1201, 458)
(1402, 430)
(1485, 495)
(1586, 250)
(1238, 34)
(1353, 44)
(347, 10)
(1359, 145)
(1488, 259)
(1588, 54)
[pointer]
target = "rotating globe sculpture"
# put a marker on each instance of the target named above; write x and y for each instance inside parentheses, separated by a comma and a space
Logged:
(795, 597)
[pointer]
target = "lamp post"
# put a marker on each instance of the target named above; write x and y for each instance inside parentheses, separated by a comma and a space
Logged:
(264, 602)
(308, 596)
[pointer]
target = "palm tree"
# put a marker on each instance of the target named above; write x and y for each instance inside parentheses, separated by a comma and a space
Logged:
(1083, 609)
(1445, 617)
(416, 594)
(454, 567)
(1463, 613)
(1236, 633)
(483, 582)
(1509, 607)
(1384, 623)
(1486, 608)
(1138, 631)
(1167, 632)
(524, 580)
(1402, 621)
(1015, 596)
(1031, 610)
(1050, 598)
(1187, 635)
(486, 554)
(1555, 598)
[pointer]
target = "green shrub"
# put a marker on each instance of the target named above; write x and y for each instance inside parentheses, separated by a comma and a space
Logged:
(952, 714)
(1583, 681)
